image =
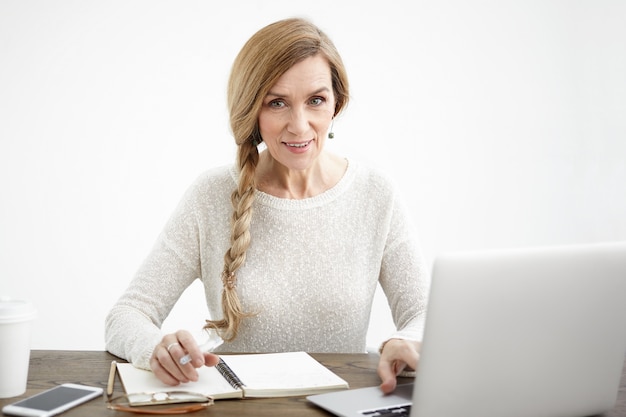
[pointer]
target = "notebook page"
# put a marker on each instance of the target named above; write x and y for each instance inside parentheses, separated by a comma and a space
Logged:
(283, 374)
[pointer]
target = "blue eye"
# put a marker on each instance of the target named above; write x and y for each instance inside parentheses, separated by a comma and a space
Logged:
(277, 104)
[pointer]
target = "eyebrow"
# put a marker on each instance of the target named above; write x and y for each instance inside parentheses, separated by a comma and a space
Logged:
(319, 90)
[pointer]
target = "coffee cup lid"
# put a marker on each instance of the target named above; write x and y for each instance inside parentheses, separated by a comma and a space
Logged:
(13, 310)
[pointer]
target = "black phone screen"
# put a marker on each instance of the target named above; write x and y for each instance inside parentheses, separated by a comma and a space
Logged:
(54, 398)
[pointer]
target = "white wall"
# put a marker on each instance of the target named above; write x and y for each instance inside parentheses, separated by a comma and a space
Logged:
(502, 120)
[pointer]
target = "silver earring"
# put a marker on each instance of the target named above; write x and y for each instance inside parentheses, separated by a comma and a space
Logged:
(331, 135)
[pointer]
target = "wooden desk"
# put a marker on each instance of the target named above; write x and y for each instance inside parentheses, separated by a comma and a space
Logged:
(49, 368)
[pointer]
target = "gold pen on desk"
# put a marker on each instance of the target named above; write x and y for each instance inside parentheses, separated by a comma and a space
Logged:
(111, 378)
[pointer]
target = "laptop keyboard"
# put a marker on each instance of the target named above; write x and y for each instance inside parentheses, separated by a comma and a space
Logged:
(395, 411)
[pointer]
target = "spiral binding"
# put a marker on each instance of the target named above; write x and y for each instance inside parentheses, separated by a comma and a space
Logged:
(229, 375)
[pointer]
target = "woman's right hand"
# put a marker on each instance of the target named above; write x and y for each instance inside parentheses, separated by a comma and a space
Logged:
(165, 360)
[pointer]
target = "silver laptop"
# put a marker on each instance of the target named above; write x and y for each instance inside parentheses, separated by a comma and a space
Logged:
(514, 333)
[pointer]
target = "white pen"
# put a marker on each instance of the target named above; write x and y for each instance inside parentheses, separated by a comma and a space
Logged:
(213, 342)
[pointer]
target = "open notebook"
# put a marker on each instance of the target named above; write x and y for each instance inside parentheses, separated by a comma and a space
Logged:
(246, 376)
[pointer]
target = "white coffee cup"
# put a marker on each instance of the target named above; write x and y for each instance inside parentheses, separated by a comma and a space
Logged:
(16, 317)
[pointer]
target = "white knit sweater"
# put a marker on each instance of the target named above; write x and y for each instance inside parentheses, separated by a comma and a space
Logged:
(310, 273)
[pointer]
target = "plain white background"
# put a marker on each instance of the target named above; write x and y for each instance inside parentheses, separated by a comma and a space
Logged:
(502, 121)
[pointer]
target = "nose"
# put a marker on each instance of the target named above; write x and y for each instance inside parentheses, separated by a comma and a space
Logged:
(298, 123)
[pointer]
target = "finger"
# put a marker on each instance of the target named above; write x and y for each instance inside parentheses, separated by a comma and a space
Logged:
(177, 351)
(190, 347)
(211, 359)
(387, 375)
(169, 360)
(158, 362)
(175, 346)
(184, 373)
(388, 386)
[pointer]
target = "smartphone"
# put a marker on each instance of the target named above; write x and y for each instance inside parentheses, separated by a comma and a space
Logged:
(53, 401)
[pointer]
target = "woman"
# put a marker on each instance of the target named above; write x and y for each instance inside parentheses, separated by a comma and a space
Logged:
(291, 242)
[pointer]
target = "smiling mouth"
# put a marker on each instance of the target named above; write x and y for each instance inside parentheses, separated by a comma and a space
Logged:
(298, 145)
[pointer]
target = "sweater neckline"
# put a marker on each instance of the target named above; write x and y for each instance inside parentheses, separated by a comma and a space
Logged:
(327, 196)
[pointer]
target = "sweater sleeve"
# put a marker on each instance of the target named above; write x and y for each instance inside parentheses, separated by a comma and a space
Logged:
(404, 277)
(132, 327)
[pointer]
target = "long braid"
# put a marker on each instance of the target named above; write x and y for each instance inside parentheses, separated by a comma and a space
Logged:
(242, 200)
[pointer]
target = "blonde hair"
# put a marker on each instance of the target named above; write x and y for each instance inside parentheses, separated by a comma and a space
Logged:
(266, 56)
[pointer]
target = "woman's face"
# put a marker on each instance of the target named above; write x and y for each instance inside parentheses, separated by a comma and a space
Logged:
(297, 112)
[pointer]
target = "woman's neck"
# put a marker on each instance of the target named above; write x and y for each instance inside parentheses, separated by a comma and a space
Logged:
(279, 181)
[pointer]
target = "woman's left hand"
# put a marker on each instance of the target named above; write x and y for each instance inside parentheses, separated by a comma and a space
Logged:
(397, 355)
